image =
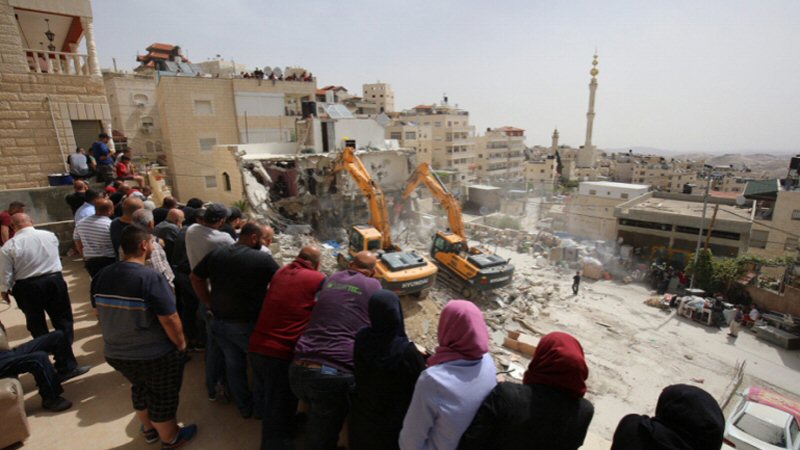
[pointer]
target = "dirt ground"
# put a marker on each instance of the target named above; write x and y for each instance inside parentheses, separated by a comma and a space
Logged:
(633, 350)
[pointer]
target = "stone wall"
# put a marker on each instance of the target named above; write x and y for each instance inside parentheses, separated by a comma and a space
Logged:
(788, 303)
(32, 143)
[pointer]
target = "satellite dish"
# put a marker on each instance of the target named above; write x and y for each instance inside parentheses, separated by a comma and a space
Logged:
(740, 200)
(277, 71)
(267, 70)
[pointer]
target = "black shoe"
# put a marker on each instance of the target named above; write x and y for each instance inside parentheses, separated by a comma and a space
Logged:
(76, 372)
(56, 404)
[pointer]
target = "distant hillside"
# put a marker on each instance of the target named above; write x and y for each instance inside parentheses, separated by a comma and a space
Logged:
(776, 164)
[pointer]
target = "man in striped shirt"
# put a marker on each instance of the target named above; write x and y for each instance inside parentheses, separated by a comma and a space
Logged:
(93, 238)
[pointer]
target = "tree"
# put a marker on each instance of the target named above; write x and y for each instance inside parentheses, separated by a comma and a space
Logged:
(702, 270)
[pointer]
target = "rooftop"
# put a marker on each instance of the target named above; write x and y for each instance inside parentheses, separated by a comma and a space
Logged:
(691, 209)
(612, 184)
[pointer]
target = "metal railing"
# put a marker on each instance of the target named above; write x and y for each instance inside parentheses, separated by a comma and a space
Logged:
(43, 61)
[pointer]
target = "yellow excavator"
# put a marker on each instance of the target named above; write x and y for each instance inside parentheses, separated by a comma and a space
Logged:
(468, 270)
(403, 272)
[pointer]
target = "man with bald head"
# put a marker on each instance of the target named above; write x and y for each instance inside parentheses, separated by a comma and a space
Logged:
(168, 229)
(322, 371)
(129, 206)
(78, 196)
(92, 237)
(30, 267)
(239, 275)
(284, 316)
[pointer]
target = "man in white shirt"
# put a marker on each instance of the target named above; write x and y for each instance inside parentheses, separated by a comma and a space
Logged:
(30, 265)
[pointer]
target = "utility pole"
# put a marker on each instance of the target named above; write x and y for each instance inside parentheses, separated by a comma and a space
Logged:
(711, 226)
(700, 232)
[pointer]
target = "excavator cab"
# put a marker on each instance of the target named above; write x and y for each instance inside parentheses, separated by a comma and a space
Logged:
(363, 237)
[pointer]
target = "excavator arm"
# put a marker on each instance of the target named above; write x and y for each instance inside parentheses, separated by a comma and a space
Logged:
(379, 214)
(423, 174)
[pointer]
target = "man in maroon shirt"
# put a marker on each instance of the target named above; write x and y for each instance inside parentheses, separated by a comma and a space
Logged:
(283, 318)
(6, 232)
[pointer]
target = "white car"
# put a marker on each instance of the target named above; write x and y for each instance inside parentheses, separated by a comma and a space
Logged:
(763, 420)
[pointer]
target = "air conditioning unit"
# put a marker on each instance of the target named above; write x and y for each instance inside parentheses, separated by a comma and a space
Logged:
(147, 128)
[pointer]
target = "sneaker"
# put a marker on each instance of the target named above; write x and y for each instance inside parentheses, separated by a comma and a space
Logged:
(56, 404)
(223, 393)
(185, 434)
(76, 372)
(150, 436)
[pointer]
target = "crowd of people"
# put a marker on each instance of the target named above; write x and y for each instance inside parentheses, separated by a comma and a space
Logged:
(103, 165)
(261, 75)
(172, 279)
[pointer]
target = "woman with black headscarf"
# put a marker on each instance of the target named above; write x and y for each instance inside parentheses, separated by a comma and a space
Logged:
(546, 411)
(387, 365)
(687, 418)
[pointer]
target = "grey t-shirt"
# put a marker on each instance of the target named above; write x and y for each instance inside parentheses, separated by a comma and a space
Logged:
(201, 240)
(129, 299)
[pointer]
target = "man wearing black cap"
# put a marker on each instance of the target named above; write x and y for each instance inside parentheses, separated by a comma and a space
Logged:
(233, 223)
(105, 164)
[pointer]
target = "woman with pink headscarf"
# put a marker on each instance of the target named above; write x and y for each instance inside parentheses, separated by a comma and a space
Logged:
(459, 376)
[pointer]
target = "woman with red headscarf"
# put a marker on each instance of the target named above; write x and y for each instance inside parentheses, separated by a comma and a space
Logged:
(459, 376)
(547, 411)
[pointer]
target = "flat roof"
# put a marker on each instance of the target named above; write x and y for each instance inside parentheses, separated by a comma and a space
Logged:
(613, 184)
(692, 209)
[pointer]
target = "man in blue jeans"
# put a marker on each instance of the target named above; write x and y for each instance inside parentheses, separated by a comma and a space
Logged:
(105, 163)
(34, 357)
(322, 371)
(239, 276)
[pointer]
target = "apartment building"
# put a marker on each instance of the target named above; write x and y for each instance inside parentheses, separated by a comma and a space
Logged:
(500, 154)
(667, 177)
(198, 113)
(590, 213)
(380, 94)
(453, 138)
(418, 138)
(541, 175)
(134, 113)
(52, 97)
(776, 217)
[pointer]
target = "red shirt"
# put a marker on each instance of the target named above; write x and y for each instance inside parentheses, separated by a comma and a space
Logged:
(286, 310)
(5, 220)
(123, 171)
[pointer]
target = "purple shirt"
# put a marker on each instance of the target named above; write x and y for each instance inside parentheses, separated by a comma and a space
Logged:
(341, 311)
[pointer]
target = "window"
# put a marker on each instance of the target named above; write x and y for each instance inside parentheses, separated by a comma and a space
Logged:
(227, 180)
(203, 108)
(211, 182)
(396, 135)
(759, 238)
(140, 99)
(796, 214)
(437, 124)
(159, 147)
(207, 144)
(150, 147)
(623, 195)
(761, 430)
(411, 135)
(592, 192)
(791, 244)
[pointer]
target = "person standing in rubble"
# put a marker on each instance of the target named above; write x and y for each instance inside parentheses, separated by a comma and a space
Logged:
(548, 407)
(736, 322)
(576, 283)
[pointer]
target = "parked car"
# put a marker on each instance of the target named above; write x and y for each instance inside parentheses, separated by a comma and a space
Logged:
(763, 420)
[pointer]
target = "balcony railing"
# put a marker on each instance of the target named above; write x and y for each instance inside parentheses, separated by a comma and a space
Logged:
(42, 61)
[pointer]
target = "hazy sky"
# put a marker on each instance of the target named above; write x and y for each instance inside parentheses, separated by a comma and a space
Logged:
(711, 75)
